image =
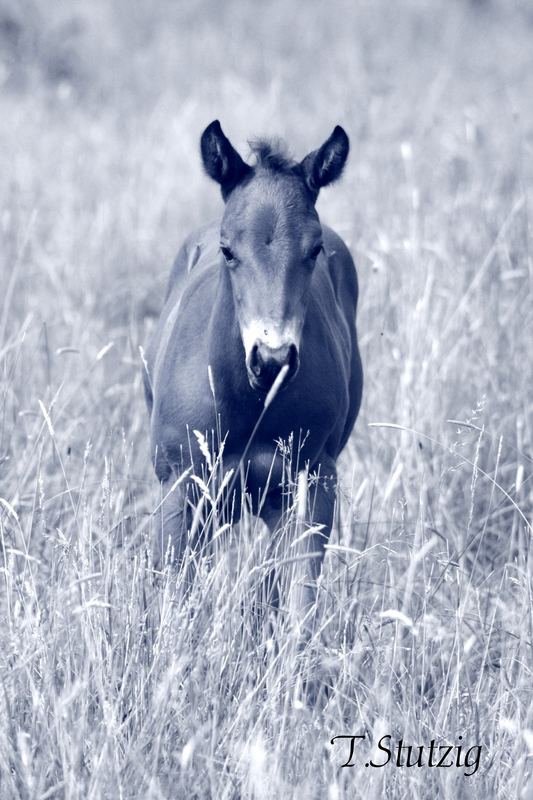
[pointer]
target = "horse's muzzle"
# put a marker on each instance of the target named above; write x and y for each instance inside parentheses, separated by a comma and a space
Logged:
(263, 364)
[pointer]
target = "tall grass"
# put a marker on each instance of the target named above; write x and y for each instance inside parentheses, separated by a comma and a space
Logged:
(118, 680)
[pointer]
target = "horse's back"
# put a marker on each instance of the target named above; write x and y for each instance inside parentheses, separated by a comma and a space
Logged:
(199, 249)
(344, 277)
(343, 272)
(197, 253)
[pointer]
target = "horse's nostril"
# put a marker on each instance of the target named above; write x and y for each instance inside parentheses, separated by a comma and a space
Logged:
(293, 359)
(256, 362)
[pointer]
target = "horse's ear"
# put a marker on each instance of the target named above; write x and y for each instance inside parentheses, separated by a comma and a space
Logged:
(221, 161)
(323, 166)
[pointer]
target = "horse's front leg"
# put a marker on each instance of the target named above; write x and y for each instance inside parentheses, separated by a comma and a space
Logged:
(302, 553)
(173, 521)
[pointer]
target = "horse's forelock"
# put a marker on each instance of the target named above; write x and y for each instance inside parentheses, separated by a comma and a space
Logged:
(271, 154)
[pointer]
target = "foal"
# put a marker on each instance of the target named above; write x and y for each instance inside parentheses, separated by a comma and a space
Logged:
(265, 293)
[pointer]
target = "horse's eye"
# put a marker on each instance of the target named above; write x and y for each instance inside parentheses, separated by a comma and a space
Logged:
(228, 255)
(315, 252)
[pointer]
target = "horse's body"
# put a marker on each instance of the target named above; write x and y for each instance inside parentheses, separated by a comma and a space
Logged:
(203, 325)
(198, 328)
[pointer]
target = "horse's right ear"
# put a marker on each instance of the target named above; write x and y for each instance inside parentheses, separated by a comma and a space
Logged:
(221, 161)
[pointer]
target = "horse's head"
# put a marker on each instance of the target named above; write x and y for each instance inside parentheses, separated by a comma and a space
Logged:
(270, 240)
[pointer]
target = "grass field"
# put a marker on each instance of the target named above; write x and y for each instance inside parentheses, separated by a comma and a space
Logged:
(113, 682)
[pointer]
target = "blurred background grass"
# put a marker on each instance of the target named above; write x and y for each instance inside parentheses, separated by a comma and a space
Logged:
(101, 109)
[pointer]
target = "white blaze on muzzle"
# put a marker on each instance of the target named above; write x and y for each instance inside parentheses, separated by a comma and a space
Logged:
(270, 334)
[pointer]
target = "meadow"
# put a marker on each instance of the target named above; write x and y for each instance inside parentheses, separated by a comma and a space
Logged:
(115, 682)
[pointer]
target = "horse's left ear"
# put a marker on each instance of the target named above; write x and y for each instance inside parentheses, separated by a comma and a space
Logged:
(325, 165)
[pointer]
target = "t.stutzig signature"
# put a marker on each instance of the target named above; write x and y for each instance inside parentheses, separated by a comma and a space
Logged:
(398, 754)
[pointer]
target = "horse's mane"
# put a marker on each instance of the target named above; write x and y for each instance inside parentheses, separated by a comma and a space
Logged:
(272, 154)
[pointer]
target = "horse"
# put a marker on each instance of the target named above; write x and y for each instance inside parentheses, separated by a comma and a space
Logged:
(264, 298)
